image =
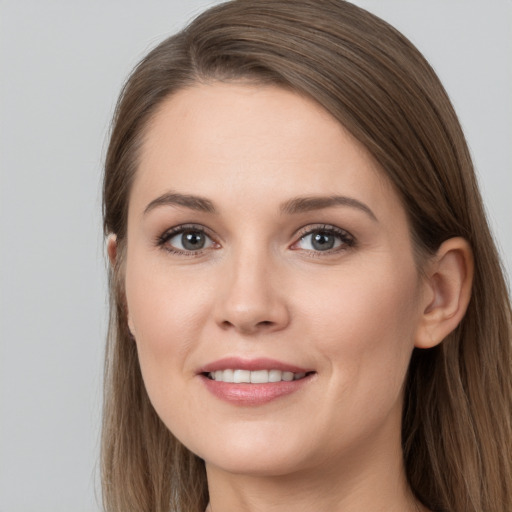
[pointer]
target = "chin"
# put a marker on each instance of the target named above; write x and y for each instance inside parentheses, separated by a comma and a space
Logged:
(270, 464)
(251, 451)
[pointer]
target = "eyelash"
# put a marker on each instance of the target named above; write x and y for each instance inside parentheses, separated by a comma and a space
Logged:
(347, 240)
(168, 235)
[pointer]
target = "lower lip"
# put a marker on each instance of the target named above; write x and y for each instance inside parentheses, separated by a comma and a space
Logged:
(253, 394)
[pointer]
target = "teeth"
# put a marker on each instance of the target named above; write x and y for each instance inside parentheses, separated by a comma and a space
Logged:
(275, 375)
(241, 376)
(226, 376)
(259, 377)
(255, 377)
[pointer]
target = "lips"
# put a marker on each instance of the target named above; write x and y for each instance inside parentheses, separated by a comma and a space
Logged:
(261, 363)
(253, 381)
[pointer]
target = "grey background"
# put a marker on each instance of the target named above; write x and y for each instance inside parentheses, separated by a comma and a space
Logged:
(62, 66)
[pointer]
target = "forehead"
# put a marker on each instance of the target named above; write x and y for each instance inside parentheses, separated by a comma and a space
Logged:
(252, 142)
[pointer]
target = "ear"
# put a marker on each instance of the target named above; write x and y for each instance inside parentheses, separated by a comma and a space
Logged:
(448, 284)
(112, 256)
(112, 249)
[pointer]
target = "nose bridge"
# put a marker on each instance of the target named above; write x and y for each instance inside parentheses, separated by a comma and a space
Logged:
(250, 300)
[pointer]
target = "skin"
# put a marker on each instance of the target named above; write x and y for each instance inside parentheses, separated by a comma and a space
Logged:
(260, 289)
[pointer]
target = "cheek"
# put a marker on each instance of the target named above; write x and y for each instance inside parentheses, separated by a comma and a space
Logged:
(166, 318)
(159, 301)
(366, 328)
(165, 315)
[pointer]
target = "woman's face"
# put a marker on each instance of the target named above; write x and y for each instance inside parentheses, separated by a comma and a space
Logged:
(264, 239)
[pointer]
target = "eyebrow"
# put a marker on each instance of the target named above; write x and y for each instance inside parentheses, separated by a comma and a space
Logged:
(307, 204)
(192, 202)
(293, 206)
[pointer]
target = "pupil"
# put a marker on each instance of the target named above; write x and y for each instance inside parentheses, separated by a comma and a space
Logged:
(323, 241)
(192, 240)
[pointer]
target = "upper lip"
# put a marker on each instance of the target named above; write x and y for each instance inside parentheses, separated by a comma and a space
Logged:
(260, 363)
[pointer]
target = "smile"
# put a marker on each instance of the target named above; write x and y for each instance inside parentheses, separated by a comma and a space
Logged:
(254, 377)
(253, 382)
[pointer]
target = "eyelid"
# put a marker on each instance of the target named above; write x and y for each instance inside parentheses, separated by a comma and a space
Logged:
(167, 235)
(348, 240)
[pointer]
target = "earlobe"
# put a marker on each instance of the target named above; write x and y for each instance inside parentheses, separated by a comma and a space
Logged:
(112, 249)
(449, 280)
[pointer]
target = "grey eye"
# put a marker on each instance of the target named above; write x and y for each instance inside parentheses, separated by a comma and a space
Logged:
(323, 241)
(190, 240)
(320, 240)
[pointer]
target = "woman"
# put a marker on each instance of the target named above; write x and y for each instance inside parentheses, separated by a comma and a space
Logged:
(308, 310)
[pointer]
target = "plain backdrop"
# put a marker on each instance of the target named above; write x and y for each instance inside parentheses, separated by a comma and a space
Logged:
(62, 66)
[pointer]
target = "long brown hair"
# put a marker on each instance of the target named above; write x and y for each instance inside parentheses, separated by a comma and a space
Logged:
(456, 428)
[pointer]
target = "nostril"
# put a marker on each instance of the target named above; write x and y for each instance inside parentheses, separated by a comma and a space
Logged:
(226, 324)
(249, 328)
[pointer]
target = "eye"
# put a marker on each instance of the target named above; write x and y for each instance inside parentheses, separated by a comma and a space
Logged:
(183, 239)
(325, 239)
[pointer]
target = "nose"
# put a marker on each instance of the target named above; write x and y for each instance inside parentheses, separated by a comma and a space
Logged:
(251, 298)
